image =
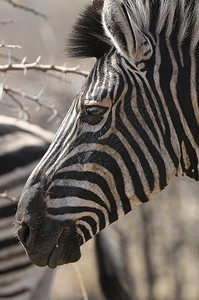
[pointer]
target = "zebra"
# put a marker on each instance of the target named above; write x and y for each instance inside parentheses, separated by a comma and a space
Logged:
(21, 146)
(131, 129)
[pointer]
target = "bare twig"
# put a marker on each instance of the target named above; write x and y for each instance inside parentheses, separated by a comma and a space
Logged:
(8, 21)
(22, 108)
(23, 66)
(3, 45)
(35, 12)
(11, 198)
(7, 89)
(56, 73)
(81, 283)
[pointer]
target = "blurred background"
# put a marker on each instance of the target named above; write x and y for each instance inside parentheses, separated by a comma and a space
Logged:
(161, 237)
(41, 37)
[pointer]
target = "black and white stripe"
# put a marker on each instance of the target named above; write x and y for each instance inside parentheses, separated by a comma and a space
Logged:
(21, 145)
(132, 128)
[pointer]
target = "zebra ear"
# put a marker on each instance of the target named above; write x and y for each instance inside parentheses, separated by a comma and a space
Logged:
(125, 35)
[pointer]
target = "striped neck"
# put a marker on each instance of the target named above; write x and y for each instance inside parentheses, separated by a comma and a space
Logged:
(177, 72)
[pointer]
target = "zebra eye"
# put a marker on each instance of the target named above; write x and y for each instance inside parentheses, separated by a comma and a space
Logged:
(93, 114)
(95, 110)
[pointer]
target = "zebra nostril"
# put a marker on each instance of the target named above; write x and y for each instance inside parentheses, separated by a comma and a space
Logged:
(24, 234)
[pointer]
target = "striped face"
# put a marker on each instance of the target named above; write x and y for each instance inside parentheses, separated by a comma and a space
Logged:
(105, 159)
(131, 129)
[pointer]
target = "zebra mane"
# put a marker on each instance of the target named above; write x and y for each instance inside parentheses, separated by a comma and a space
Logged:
(177, 18)
(88, 38)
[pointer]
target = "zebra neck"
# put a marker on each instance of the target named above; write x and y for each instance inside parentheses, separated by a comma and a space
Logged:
(187, 89)
(190, 162)
(178, 71)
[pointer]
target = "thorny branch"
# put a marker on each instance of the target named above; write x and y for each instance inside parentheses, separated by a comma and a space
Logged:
(3, 45)
(11, 198)
(8, 90)
(56, 71)
(23, 66)
(21, 106)
(36, 66)
(35, 12)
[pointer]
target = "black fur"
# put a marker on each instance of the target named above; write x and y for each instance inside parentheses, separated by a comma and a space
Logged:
(88, 38)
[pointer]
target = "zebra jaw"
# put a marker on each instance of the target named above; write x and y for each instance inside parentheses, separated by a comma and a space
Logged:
(46, 241)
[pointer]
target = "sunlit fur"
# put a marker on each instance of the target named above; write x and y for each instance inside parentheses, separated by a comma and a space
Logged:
(133, 126)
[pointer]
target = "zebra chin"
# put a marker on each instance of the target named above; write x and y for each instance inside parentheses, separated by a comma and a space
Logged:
(66, 250)
(53, 250)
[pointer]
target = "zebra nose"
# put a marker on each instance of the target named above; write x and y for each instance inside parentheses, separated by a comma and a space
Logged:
(24, 234)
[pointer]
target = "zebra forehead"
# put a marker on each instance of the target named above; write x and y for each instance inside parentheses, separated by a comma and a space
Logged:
(177, 17)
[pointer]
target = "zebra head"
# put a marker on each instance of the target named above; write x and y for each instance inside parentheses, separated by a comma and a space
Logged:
(124, 137)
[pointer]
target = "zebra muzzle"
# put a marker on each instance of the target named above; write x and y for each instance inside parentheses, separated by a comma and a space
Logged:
(47, 241)
(66, 249)
(52, 244)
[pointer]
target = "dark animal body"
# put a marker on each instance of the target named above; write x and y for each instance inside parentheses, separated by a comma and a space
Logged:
(132, 128)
